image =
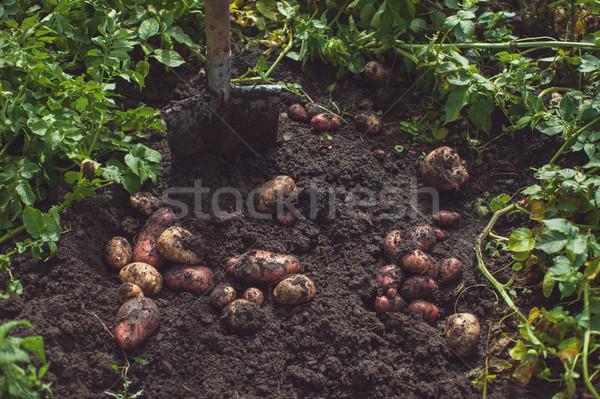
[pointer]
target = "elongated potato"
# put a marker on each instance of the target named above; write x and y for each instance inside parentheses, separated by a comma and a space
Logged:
(462, 333)
(418, 262)
(222, 296)
(243, 317)
(127, 291)
(117, 253)
(294, 290)
(446, 218)
(144, 202)
(180, 246)
(145, 249)
(427, 310)
(194, 279)
(262, 267)
(143, 275)
(137, 319)
(392, 246)
(449, 271)
(417, 287)
(424, 236)
(274, 191)
(443, 169)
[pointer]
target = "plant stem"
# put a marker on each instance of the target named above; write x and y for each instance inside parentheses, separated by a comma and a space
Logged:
(570, 138)
(502, 46)
(339, 13)
(586, 342)
(553, 89)
(11, 234)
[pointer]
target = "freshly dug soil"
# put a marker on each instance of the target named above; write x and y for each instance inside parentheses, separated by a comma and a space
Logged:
(335, 346)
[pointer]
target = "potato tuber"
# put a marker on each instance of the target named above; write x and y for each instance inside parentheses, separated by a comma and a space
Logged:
(137, 319)
(243, 317)
(195, 279)
(325, 122)
(273, 192)
(222, 296)
(180, 246)
(378, 74)
(297, 112)
(449, 270)
(144, 275)
(368, 123)
(294, 290)
(145, 249)
(254, 295)
(417, 287)
(256, 267)
(462, 333)
(446, 218)
(117, 253)
(427, 310)
(424, 236)
(127, 291)
(443, 169)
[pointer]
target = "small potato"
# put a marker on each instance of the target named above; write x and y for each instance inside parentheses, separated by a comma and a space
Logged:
(418, 262)
(446, 218)
(378, 74)
(88, 168)
(194, 279)
(273, 192)
(117, 253)
(254, 295)
(392, 246)
(427, 310)
(145, 249)
(439, 235)
(127, 291)
(262, 267)
(417, 287)
(443, 169)
(462, 333)
(297, 113)
(325, 122)
(180, 246)
(424, 236)
(222, 296)
(285, 218)
(389, 304)
(144, 202)
(243, 317)
(449, 270)
(368, 123)
(294, 290)
(144, 275)
(389, 277)
(137, 319)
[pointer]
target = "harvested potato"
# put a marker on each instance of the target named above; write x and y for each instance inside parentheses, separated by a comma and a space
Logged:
(368, 123)
(222, 296)
(180, 246)
(194, 279)
(297, 112)
(144, 202)
(417, 287)
(325, 122)
(88, 168)
(392, 246)
(378, 74)
(446, 218)
(439, 235)
(427, 310)
(262, 267)
(462, 333)
(273, 192)
(449, 270)
(144, 275)
(127, 291)
(254, 295)
(424, 236)
(286, 218)
(294, 290)
(137, 319)
(389, 276)
(418, 262)
(117, 253)
(391, 293)
(243, 317)
(443, 169)
(145, 249)
(389, 304)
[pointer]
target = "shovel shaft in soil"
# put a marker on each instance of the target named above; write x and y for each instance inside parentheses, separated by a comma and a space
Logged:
(218, 49)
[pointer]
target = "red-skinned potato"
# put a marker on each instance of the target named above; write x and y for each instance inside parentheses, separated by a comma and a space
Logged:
(391, 246)
(378, 74)
(294, 290)
(439, 234)
(462, 333)
(143, 275)
(297, 112)
(325, 122)
(427, 310)
(117, 253)
(443, 169)
(446, 218)
(254, 295)
(144, 202)
(418, 262)
(285, 218)
(145, 249)
(449, 270)
(274, 191)
(262, 267)
(137, 319)
(417, 287)
(389, 304)
(243, 317)
(180, 246)
(424, 236)
(389, 276)
(367, 122)
(194, 279)
(222, 296)
(127, 291)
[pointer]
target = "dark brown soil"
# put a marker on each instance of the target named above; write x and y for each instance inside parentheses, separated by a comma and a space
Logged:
(336, 346)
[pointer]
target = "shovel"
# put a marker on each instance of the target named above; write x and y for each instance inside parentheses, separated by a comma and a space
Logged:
(225, 119)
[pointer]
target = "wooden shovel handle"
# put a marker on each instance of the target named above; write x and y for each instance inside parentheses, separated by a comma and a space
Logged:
(218, 43)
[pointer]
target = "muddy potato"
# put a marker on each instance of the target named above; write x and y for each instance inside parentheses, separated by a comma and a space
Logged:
(294, 290)
(143, 275)
(389, 277)
(368, 123)
(443, 169)
(262, 267)
(446, 218)
(243, 317)
(424, 236)
(127, 291)
(392, 246)
(145, 248)
(325, 122)
(254, 295)
(180, 246)
(417, 287)
(378, 74)
(222, 296)
(137, 319)
(144, 202)
(418, 262)
(194, 279)
(88, 168)
(285, 218)
(297, 112)
(462, 333)
(274, 191)
(439, 235)
(449, 271)
(389, 304)
(427, 310)
(117, 253)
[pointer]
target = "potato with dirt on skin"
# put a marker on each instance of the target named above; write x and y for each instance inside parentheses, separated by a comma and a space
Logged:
(443, 169)
(195, 279)
(297, 113)
(424, 236)
(393, 304)
(418, 262)
(137, 319)
(180, 246)
(449, 271)
(145, 249)
(325, 122)
(255, 295)
(427, 310)
(117, 253)
(417, 287)
(144, 202)
(262, 267)
(367, 122)
(243, 317)
(392, 246)
(143, 275)
(446, 218)
(389, 277)
(272, 192)
(294, 290)
(378, 73)
(127, 291)
(222, 296)
(462, 333)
